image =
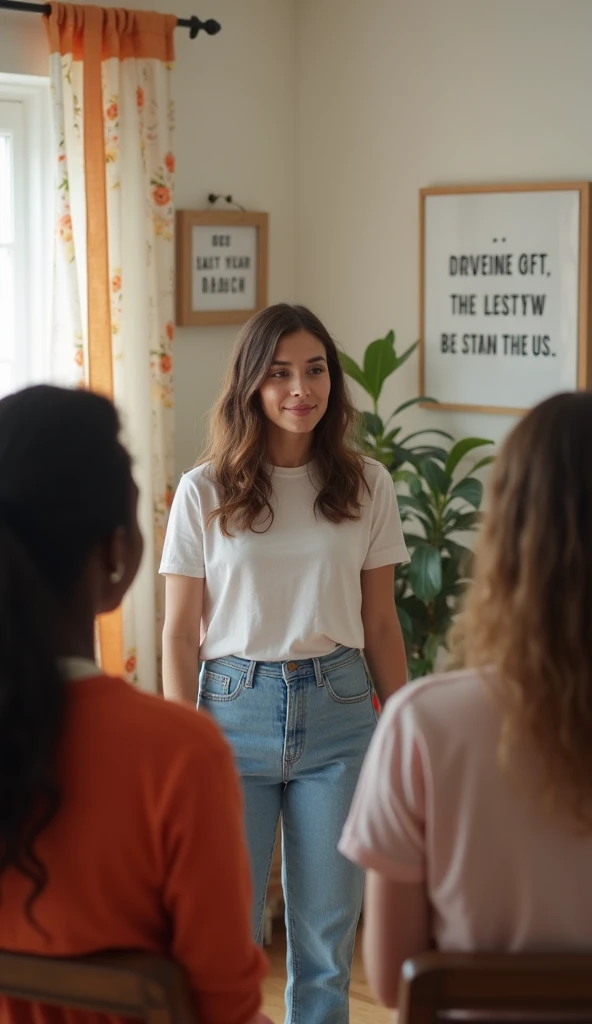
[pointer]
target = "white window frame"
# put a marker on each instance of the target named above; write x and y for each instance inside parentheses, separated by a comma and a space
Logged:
(25, 110)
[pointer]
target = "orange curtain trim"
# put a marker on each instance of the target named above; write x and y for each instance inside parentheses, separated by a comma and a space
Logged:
(100, 363)
(123, 34)
(93, 35)
(99, 299)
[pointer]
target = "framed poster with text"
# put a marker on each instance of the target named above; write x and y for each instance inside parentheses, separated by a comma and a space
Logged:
(504, 294)
(221, 270)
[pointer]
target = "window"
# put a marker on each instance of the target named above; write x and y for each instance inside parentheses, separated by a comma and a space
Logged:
(25, 231)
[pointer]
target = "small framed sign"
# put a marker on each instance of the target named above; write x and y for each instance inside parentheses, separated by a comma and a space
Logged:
(221, 266)
(504, 294)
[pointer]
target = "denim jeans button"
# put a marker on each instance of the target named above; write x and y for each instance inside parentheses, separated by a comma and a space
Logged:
(292, 666)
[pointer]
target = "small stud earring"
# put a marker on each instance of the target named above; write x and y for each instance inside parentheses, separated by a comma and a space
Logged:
(117, 575)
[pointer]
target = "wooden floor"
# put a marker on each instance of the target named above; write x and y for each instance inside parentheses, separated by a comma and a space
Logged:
(363, 1008)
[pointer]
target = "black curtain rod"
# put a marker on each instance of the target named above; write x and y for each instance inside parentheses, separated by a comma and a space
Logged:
(195, 25)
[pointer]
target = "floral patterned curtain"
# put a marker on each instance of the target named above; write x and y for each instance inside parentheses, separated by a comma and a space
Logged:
(114, 267)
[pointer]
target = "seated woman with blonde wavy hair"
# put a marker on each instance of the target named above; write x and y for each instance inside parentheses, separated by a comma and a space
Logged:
(473, 814)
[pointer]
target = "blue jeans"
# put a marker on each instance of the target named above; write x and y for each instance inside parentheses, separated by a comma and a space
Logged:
(299, 731)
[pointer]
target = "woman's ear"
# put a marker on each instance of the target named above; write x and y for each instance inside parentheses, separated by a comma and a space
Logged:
(113, 569)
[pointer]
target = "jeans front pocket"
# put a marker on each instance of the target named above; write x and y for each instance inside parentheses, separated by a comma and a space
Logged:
(220, 685)
(348, 684)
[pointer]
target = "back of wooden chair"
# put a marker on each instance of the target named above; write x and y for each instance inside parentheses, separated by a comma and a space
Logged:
(135, 985)
(488, 987)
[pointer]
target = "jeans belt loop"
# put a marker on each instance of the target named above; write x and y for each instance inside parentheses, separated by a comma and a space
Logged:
(250, 674)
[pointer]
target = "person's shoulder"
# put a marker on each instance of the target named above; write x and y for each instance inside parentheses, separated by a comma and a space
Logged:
(444, 699)
(374, 470)
(439, 687)
(198, 484)
(376, 475)
(197, 476)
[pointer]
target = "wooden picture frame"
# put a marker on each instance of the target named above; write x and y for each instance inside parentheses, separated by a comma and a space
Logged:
(216, 279)
(456, 224)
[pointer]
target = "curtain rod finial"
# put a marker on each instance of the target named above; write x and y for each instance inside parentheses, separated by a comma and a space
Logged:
(210, 26)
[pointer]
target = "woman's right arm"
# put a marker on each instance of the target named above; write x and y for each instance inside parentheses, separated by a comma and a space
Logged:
(181, 637)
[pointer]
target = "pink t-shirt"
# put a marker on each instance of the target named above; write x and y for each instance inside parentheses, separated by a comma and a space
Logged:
(434, 806)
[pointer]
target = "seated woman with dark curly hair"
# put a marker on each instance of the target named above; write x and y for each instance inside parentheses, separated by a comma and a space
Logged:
(120, 814)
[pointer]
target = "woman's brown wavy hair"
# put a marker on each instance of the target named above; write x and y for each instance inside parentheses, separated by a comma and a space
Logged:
(528, 612)
(237, 446)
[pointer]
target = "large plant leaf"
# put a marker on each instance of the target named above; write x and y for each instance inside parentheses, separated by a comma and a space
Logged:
(416, 610)
(392, 434)
(450, 569)
(456, 550)
(440, 625)
(470, 490)
(380, 360)
(428, 430)
(412, 540)
(483, 462)
(455, 573)
(420, 452)
(411, 509)
(415, 518)
(399, 456)
(408, 352)
(479, 465)
(462, 448)
(425, 573)
(437, 480)
(444, 617)
(409, 518)
(352, 369)
(461, 557)
(433, 645)
(416, 486)
(418, 499)
(418, 667)
(372, 423)
(456, 522)
(406, 625)
(410, 402)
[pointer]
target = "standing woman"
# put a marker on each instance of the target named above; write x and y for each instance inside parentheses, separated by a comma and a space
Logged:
(279, 559)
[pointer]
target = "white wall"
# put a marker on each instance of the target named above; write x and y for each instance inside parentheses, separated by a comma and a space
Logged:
(235, 108)
(331, 115)
(399, 94)
(23, 44)
(235, 113)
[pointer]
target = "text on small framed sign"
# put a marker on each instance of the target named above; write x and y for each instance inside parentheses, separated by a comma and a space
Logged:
(221, 266)
(504, 294)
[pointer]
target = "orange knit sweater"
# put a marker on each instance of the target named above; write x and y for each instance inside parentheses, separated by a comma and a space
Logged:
(146, 853)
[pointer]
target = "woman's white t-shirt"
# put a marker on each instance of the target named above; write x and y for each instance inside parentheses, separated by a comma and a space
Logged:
(293, 591)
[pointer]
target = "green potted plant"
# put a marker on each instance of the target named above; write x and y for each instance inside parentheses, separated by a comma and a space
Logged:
(381, 439)
(440, 505)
